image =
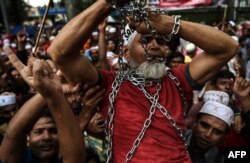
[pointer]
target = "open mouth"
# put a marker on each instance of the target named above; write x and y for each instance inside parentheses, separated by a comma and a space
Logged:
(156, 59)
(100, 123)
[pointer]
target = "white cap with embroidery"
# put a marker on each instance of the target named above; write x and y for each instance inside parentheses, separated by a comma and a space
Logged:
(217, 96)
(7, 100)
(218, 110)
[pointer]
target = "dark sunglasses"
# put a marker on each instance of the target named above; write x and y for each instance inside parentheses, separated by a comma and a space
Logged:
(148, 38)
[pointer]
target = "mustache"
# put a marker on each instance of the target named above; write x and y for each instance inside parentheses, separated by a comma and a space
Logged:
(151, 71)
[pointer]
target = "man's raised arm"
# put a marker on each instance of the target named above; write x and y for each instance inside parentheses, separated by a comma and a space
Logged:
(65, 49)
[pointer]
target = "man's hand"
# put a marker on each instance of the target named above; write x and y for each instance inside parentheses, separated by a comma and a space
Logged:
(39, 74)
(45, 79)
(21, 40)
(92, 96)
(102, 25)
(163, 24)
(21, 36)
(241, 86)
(73, 93)
(23, 70)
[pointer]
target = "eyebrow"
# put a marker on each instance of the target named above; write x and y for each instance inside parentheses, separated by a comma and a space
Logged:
(205, 122)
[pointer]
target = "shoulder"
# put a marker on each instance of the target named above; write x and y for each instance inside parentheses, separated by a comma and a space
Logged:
(178, 77)
(183, 72)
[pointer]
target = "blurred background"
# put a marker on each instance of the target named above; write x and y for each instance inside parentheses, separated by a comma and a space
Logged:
(29, 12)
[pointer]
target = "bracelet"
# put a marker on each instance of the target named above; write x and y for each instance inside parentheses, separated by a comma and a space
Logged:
(176, 27)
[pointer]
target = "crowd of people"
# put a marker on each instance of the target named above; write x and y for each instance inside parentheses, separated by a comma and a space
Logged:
(96, 92)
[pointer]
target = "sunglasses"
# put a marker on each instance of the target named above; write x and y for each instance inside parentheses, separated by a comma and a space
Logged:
(149, 38)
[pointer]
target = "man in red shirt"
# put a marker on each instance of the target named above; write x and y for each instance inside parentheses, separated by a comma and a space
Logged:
(144, 105)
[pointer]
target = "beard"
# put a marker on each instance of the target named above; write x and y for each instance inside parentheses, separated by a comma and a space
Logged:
(149, 70)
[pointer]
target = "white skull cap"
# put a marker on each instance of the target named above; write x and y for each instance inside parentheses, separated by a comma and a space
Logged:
(128, 35)
(7, 100)
(218, 110)
(217, 96)
(95, 33)
(190, 48)
(112, 30)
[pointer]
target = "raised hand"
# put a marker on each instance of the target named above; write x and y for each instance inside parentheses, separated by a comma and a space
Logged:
(21, 36)
(103, 25)
(46, 81)
(73, 93)
(241, 86)
(92, 96)
(36, 72)
(23, 70)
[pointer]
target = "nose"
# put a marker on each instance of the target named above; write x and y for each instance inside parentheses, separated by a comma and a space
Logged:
(59, 73)
(98, 115)
(208, 133)
(46, 135)
(228, 86)
(154, 44)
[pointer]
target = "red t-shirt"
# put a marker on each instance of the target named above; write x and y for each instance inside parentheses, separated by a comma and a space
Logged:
(160, 144)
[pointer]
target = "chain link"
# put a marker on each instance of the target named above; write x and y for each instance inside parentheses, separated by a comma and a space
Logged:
(140, 82)
(154, 100)
(111, 112)
(178, 85)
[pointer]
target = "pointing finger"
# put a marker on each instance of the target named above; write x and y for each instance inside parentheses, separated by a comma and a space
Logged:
(13, 59)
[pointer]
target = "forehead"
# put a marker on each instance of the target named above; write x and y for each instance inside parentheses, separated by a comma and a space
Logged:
(213, 121)
(110, 41)
(223, 80)
(44, 122)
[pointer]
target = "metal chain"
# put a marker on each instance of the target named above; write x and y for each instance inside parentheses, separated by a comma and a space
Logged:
(140, 82)
(136, 10)
(111, 112)
(142, 14)
(163, 110)
(154, 100)
(175, 29)
(171, 120)
(139, 13)
(121, 43)
(178, 85)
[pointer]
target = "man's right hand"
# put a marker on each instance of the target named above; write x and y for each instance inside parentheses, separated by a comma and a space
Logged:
(39, 74)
